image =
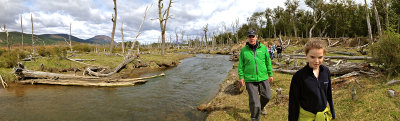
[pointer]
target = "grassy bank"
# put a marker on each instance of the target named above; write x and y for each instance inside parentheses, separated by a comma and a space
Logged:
(373, 102)
(54, 64)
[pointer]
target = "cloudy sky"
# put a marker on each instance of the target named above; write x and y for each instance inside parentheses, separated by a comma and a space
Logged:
(93, 17)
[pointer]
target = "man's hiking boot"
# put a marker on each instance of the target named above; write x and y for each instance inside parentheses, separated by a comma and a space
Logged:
(263, 112)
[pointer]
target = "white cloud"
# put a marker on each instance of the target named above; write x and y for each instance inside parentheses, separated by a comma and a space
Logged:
(93, 17)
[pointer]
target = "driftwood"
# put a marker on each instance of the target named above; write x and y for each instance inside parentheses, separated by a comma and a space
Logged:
(340, 69)
(342, 53)
(388, 83)
(115, 70)
(5, 85)
(83, 59)
(343, 78)
(39, 77)
(302, 56)
(23, 73)
(286, 71)
(345, 68)
(102, 83)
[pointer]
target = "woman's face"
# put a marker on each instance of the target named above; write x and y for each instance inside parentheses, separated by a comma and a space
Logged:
(315, 57)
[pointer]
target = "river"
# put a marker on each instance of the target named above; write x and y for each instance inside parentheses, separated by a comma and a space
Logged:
(172, 97)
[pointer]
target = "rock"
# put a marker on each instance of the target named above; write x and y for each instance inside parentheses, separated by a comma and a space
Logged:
(391, 93)
(392, 82)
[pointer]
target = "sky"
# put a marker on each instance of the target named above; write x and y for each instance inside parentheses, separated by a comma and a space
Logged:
(93, 17)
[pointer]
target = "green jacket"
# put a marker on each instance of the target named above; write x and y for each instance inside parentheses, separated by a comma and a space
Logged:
(254, 65)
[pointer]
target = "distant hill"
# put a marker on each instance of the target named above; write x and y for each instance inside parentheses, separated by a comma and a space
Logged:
(60, 37)
(100, 39)
(15, 38)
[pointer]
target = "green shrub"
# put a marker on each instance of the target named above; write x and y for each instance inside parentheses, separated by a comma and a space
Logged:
(9, 59)
(2, 51)
(82, 48)
(60, 52)
(43, 51)
(386, 52)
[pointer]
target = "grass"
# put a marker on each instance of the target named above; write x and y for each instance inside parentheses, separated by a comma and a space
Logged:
(373, 102)
(54, 64)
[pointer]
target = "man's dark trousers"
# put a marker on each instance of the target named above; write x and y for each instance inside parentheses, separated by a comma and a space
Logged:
(257, 103)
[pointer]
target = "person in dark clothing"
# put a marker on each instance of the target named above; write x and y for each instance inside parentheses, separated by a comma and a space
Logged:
(310, 88)
(279, 52)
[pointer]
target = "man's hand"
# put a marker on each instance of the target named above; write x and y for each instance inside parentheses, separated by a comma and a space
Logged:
(270, 79)
(241, 81)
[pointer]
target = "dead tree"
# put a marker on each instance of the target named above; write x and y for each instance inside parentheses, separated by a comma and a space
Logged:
(138, 33)
(368, 21)
(127, 59)
(378, 23)
(205, 29)
(22, 35)
(163, 18)
(70, 41)
(33, 42)
(114, 20)
(8, 41)
(236, 26)
(122, 44)
(177, 38)
(182, 34)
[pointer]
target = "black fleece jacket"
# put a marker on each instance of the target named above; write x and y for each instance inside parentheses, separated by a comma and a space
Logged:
(310, 93)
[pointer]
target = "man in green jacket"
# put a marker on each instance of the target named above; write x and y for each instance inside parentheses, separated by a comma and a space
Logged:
(254, 70)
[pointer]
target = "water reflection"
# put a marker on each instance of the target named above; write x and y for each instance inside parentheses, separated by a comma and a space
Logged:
(172, 97)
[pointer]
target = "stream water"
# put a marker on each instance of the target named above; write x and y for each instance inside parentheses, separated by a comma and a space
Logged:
(172, 97)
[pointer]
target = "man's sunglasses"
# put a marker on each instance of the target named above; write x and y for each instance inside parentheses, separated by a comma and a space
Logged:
(251, 36)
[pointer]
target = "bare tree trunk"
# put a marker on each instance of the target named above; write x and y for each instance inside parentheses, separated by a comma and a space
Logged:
(22, 35)
(398, 24)
(122, 44)
(368, 21)
(205, 29)
(114, 20)
(273, 23)
(177, 38)
(8, 41)
(387, 14)
(378, 23)
(33, 42)
(182, 35)
(294, 24)
(163, 22)
(70, 42)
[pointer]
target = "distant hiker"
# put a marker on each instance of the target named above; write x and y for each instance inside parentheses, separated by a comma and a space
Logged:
(279, 52)
(254, 70)
(310, 89)
(270, 51)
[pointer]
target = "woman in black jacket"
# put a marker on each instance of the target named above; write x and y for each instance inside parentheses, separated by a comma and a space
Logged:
(310, 88)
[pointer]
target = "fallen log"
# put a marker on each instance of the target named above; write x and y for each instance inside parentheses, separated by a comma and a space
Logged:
(286, 71)
(343, 78)
(83, 59)
(302, 56)
(23, 73)
(335, 70)
(388, 83)
(342, 53)
(115, 70)
(106, 83)
(82, 62)
(345, 68)
(5, 85)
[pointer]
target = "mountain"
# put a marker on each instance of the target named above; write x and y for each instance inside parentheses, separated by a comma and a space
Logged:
(60, 37)
(15, 38)
(100, 39)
